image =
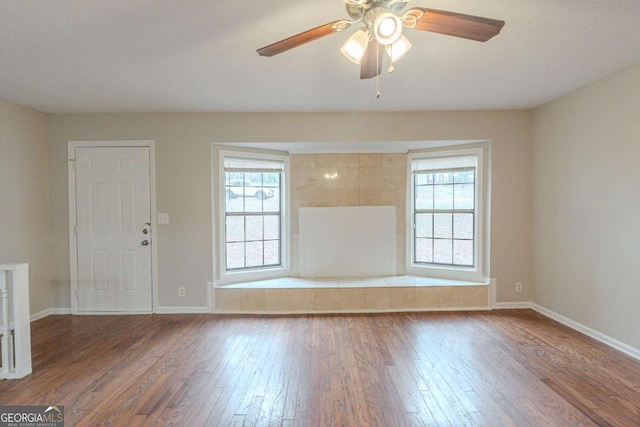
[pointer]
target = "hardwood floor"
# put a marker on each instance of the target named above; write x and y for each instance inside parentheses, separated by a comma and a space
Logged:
(509, 367)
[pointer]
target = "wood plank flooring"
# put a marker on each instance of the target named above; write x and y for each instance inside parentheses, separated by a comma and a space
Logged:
(500, 368)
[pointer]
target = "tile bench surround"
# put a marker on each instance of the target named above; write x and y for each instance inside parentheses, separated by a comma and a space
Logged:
(351, 295)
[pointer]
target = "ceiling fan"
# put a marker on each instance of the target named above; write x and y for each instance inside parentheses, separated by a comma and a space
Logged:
(382, 23)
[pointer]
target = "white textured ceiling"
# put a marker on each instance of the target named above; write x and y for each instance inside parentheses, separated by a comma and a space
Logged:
(194, 55)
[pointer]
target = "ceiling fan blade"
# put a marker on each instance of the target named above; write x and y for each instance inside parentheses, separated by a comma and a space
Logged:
(452, 24)
(371, 63)
(305, 37)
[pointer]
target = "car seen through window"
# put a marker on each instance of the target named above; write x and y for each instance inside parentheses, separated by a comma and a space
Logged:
(245, 188)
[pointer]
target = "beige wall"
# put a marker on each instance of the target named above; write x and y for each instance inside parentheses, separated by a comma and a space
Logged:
(183, 178)
(586, 204)
(24, 197)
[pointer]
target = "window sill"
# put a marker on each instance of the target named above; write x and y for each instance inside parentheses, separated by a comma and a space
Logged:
(249, 276)
(447, 273)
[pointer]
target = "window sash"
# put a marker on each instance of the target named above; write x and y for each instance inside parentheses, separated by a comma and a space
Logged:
(426, 170)
(246, 240)
(452, 239)
(245, 214)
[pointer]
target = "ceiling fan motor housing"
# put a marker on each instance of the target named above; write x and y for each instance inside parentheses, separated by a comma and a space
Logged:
(380, 18)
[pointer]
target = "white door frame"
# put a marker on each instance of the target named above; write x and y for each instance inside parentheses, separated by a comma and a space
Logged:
(73, 245)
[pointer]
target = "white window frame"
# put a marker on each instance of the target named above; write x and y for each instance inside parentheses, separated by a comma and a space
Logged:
(260, 273)
(480, 271)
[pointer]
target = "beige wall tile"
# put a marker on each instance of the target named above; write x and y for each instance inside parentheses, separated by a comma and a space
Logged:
(402, 298)
(277, 299)
(369, 160)
(325, 160)
(401, 266)
(294, 222)
(370, 197)
(476, 296)
(376, 298)
(289, 300)
(302, 299)
(426, 297)
(463, 296)
(394, 178)
(302, 163)
(349, 160)
(394, 197)
(333, 299)
(352, 298)
(295, 254)
(394, 160)
(326, 299)
(302, 197)
(240, 299)
(348, 178)
(228, 299)
(449, 297)
(326, 177)
(325, 197)
(304, 180)
(348, 198)
(253, 300)
(371, 178)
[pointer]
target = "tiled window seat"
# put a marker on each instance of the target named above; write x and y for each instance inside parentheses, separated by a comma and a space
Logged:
(350, 295)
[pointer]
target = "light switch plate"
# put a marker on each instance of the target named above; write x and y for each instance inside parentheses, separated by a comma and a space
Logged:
(163, 218)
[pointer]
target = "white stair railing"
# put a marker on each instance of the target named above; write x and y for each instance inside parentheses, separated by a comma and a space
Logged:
(15, 326)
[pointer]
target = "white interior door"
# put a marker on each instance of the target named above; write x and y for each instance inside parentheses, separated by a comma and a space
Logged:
(113, 217)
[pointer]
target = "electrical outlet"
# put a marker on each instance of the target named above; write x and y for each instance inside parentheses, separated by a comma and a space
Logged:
(181, 291)
(519, 287)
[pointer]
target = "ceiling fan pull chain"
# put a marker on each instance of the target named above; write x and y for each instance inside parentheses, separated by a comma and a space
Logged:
(391, 67)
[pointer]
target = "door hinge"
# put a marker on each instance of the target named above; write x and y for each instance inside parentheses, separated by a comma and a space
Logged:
(77, 294)
(75, 230)
(73, 162)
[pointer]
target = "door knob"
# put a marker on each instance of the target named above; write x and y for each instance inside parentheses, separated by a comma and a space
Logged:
(145, 243)
(145, 231)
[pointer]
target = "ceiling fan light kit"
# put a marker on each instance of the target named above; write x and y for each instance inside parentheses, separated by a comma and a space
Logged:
(382, 25)
(355, 46)
(398, 49)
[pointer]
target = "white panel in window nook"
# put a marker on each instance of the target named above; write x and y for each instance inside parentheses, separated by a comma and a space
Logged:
(358, 241)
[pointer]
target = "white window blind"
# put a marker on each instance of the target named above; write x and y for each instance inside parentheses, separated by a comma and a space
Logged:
(441, 164)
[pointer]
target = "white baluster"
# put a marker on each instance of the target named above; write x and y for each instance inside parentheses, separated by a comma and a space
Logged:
(7, 349)
(22, 320)
(14, 283)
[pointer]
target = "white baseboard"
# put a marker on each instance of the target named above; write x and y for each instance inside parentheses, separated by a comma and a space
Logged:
(48, 312)
(160, 310)
(599, 336)
(512, 305)
(40, 315)
(182, 310)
